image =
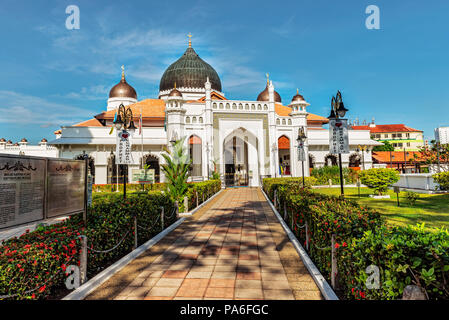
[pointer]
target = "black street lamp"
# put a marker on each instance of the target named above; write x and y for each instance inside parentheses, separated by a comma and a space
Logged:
(124, 121)
(338, 111)
(301, 154)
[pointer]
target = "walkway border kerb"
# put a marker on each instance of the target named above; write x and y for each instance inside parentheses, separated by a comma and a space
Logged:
(91, 285)
(325, 288)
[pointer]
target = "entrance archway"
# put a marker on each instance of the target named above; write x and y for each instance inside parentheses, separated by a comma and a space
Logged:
(240, 158)
(153, 163)
(284, 155)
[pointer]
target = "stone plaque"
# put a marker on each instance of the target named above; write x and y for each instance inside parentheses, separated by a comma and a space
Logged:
(22, 190)
(65, 192)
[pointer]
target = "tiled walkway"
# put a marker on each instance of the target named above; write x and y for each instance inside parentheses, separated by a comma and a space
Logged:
(233, 248)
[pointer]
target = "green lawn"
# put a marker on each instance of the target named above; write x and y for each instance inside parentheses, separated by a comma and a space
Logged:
(431, 209)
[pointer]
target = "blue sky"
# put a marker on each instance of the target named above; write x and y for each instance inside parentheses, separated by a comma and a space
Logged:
(52, 76)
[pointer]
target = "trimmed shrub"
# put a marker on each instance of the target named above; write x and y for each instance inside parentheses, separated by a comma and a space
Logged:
(271, 184)
(325, 173)
(379, 179)
(202, 190)
(442, 179)
(38, 259)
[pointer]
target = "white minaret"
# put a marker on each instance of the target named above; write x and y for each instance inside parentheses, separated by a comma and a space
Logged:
(175, 112)
(272, 127)
(299, 119)
(208, 144)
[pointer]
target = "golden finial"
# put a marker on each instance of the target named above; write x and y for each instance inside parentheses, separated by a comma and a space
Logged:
(268, 78)
(297, 91)
(190, 40)
(175, 84)
(123, 72)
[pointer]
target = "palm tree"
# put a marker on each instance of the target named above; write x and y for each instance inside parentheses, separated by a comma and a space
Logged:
(176, 169)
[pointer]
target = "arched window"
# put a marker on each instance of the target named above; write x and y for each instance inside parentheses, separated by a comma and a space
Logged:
(153, 163)
(284, 155)
(330, 160)
(187, 119)
(195, 152)
(201, 119)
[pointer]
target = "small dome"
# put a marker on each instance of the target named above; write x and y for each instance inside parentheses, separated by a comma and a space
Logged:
(298, 97)
(44, 140)
(9, 142)
(2, 140)
(24, 140)
(123, 89)
(175, 93)
(265, 96)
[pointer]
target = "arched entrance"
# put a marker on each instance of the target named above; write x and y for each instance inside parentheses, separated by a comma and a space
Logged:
(153, 163)
(91, 165)
(195, 152)
(284, 155)
(240, 158)
(330, 160)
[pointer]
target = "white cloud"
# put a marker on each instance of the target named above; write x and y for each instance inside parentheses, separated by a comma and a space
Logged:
(17, 108)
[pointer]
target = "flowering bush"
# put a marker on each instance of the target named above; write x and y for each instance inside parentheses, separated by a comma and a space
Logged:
(38, 259)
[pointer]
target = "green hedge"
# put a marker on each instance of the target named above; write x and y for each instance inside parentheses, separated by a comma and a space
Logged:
(325, 173)
(271, 184)
(38, 259)
(129, 187)
(201, 190)
(403, 255)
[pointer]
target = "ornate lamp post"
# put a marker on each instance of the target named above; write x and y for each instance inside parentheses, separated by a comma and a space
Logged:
(338, 111)
(124, 121)
(301, 154)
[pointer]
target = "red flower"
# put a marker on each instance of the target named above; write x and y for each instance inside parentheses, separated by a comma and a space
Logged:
(337, 246)
(42, 289)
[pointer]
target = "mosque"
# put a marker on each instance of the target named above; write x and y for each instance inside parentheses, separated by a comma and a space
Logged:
(242, 140)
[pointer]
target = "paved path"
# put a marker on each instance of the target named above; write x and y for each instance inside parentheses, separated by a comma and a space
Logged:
(232, 248)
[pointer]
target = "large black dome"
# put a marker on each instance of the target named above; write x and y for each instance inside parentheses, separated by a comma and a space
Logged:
(189, 71)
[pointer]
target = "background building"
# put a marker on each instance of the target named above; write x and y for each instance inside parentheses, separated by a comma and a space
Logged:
(442, 135)
(43, 149)
(399, 136)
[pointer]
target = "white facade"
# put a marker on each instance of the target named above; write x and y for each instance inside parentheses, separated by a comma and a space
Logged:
(23, 148)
